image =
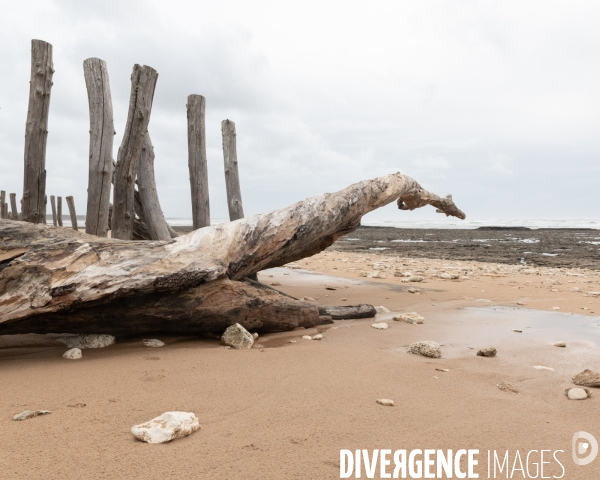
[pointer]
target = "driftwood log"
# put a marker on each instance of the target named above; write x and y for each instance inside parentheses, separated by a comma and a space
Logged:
(197, 163)
(58, 280)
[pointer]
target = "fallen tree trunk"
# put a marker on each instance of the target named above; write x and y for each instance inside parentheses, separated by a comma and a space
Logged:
(58, 279)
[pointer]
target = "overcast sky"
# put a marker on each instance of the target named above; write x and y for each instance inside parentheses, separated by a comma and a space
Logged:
(496, 102)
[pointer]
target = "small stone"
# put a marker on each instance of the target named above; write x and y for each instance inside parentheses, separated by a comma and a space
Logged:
(587, 378)
(413, 290)
(517, 331)
(343, 299)
(380, 326)
(318, 336)
(72, 354)
(541, 367)
(386, 402)
(153, 342)
(487, 352)
(427, 349)
(382, 309)
(276, 284)
(555, 308)
(578, 393)
(255, 335)
(442, 370)
(560, 344)
(308, 299)
(87, 341)
(292, 341)
(445, 276)
(327, 287)
(484, 300)
(237, 337)
(30, 414)
(508, 387)
(520, 303)
(166, 427)
(307, 337)
(409, 317)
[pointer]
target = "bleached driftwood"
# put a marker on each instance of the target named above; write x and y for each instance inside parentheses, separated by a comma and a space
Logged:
(56, 280)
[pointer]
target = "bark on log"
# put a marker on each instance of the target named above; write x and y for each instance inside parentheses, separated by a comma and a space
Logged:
(2, 201)
(152, 214)
(13, 207)
(102, 132)
(51, 278)
(349, 312)
(72, 213)
(197, 163)
(53, 205)
(59, 211)
(143, 83)
(36, 133)
(232, 178)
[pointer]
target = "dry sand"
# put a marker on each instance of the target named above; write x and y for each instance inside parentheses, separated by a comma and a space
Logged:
(286, 410)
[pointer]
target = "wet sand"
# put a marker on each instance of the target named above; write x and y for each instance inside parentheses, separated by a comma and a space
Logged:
(286, 410)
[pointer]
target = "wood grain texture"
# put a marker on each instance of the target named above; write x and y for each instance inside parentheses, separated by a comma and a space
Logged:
(13, 207)
(53, 205)
(59, 211)
(143, 83)
(72, 213)
(151, 213)
(2, 201)
(102, 133)
(48, 272)
(197, 163)
(36, 133)
(232, 178)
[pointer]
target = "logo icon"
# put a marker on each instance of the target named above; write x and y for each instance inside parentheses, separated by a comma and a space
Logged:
(584, 448)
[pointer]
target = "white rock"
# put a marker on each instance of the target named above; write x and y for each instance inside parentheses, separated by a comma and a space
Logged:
(255, 335)
(427, 349)
(484, 300)
(92, 340)
(413, 290)
(409, 317)
(72, 354)
(380, 326)
(318, 336)
(577, 394)
(153, 342)
(386, 402)
(541, 367)
(166, 427)
(445, 276)
(382, 309)
(237, 337)
(30, 414)
(555, 308)
(307, 337)
(560, 344)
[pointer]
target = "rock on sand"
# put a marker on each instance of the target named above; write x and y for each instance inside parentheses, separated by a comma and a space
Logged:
(578, 393)
(30, 414)
(380, 326)
(560, 344)
(427, 349)
(386, 402)
(382, 309)
(166, 427)
(587, 378)
(153, 342)
(237, 337)
(87, 341)
(409, 317)
(72, 354)
(487, 352)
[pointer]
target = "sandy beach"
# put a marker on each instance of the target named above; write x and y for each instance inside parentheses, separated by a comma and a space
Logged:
(285, 408)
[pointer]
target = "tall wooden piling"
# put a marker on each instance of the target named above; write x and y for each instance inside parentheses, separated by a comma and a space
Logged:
(2, 199)
(143, 83)
(13, 206)
(59, 211)
(102, 132)
(53, 205)
(196, 106)
(232, 178)
(36, 132)
(71, 205)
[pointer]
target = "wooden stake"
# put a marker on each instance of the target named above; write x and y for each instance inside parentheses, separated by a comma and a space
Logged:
(102, 132)
(36, 132)
(143, 83)
(196, 106)
(152, 214)
(59, 211)
(232, 179)
(2, 198)
(13, 206)
(71, 205)
(53, 205)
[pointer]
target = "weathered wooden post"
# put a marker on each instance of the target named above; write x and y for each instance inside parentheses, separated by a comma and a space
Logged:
(102, 132)
(2, 198)
(13, 206)
(45, 208)
(152, 214)
(59, 211)
(53, 205)
(196, 106)
(71, 205)
(143, 83)
(36, 132)
(232, 178)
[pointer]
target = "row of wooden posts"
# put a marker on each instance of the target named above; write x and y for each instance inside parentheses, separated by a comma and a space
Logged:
(132, 210)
